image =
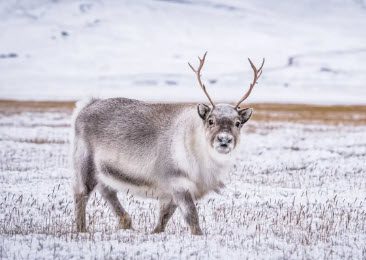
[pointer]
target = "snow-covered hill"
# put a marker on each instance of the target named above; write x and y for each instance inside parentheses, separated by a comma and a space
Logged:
(315, 50)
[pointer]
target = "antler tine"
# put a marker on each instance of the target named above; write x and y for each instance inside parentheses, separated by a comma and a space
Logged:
(198, 75)
(257, 74)
(253, 67)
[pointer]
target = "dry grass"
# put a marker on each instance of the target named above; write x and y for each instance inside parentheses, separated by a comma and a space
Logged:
(13, 106)
(334, 115)
(331, 115)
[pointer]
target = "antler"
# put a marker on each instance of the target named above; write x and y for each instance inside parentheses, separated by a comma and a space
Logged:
(198, 74)
(257, 74)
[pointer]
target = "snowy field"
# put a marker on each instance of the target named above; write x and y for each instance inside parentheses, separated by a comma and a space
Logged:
(298, 186)
(296, 191)
(315, 50)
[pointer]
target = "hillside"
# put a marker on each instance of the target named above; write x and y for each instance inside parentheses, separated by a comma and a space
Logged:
(64, 50)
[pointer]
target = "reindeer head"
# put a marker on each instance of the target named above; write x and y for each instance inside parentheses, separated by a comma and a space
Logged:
(222, 122)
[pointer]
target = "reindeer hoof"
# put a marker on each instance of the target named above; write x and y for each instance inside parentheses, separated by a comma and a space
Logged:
(125, 222)
(81, 230)
(157, 230)
(197, 231)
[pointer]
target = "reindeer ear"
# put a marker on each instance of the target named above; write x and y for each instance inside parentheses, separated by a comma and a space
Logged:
(203, 110)
(245, 114)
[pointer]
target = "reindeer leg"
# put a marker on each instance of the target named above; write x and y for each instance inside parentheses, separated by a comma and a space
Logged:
(81, 199)
(111, 197)
(167, 209)
(186, 205)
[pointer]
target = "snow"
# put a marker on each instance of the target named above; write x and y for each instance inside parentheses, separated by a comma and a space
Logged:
(315, 50)
(296, 191)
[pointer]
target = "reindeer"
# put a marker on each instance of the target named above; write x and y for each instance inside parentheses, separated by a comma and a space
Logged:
(176, 153)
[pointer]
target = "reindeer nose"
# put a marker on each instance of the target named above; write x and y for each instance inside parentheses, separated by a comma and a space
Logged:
(224, 139)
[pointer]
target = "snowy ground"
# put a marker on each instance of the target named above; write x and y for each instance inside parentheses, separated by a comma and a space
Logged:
(296, 191)
(315, 50)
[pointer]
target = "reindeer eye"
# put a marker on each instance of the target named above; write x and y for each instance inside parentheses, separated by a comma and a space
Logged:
(237, 124)
(210, 122)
